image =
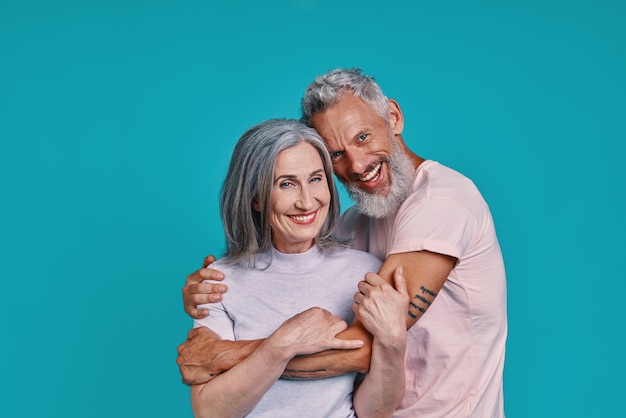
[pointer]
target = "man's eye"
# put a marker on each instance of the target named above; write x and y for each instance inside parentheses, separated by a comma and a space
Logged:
(336, 155)
(363, 137)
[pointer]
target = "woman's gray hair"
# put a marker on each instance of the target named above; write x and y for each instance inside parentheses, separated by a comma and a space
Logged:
(250, 178)
(327, 89)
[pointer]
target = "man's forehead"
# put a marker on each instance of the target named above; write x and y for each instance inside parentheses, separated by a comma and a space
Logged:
(348, 118)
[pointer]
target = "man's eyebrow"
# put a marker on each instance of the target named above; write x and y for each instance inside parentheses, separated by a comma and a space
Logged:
(361, 132)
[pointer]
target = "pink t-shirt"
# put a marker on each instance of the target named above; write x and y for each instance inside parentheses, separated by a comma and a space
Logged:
(455, 352)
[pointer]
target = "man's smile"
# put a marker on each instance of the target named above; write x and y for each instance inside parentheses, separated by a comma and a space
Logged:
(372, 174)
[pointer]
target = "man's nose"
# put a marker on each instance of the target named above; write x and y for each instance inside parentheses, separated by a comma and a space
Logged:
(356, 161)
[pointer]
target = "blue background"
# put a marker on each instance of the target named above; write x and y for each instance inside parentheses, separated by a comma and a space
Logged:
(117, 120)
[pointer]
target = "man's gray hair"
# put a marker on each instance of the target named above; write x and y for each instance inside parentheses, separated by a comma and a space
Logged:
(327, 89)
(250, 178)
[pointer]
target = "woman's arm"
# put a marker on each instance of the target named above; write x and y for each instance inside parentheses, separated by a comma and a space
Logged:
(382, 310)
(235, 392)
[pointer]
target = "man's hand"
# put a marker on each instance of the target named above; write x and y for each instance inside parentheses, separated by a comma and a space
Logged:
(197, 293)
(204, 355)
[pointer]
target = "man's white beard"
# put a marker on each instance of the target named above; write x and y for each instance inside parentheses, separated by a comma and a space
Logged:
(402, 174)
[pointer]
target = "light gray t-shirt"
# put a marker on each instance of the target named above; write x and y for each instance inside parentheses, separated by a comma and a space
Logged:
(259, 301)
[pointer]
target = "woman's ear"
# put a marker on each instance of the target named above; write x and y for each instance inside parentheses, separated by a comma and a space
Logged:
(256, 205)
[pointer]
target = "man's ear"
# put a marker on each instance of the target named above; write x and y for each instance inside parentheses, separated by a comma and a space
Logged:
(256, 205)
(396, 118)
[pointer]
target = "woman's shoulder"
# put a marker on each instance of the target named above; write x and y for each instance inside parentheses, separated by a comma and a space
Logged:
(228, 269)
(352, 256)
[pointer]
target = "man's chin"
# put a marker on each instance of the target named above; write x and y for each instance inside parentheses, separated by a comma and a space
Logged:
(374, 205)
(362, 189)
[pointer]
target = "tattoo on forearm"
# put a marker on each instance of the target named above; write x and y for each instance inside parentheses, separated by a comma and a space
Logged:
(421, 299)
(419, 308)
(427, 291)
(293, 374)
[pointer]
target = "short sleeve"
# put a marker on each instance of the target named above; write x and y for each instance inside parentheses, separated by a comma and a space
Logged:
(438, 225)
(218, 321)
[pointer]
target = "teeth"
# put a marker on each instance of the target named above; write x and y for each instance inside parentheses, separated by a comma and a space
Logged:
(303, 218)
(372, 173)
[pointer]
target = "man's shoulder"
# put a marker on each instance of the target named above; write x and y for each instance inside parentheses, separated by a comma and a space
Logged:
(435, 181)
(437, 172)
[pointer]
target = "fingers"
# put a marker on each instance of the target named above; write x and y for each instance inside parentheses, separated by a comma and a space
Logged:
(359, 297)
(370, 281)
(196, 313)
(381, 307)
(203, 274)
(312, 331)
(192, 298)
(191, 358)
(194, 375)
(209, 259)
(337, 325)
(204, 293)
(374, 279)
(197, 293)
(194, 332)
(337, 343)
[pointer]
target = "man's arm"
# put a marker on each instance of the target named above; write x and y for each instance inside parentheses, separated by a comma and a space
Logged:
(205, 355)
(425, 273)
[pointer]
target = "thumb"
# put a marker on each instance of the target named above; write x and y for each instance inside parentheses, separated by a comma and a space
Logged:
(400, 280)
(340, 344)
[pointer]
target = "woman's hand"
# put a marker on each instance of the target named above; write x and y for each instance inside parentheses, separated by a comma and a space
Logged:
(310, 332)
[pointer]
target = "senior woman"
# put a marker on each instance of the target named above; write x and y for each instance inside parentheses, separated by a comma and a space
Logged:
(291, 286)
